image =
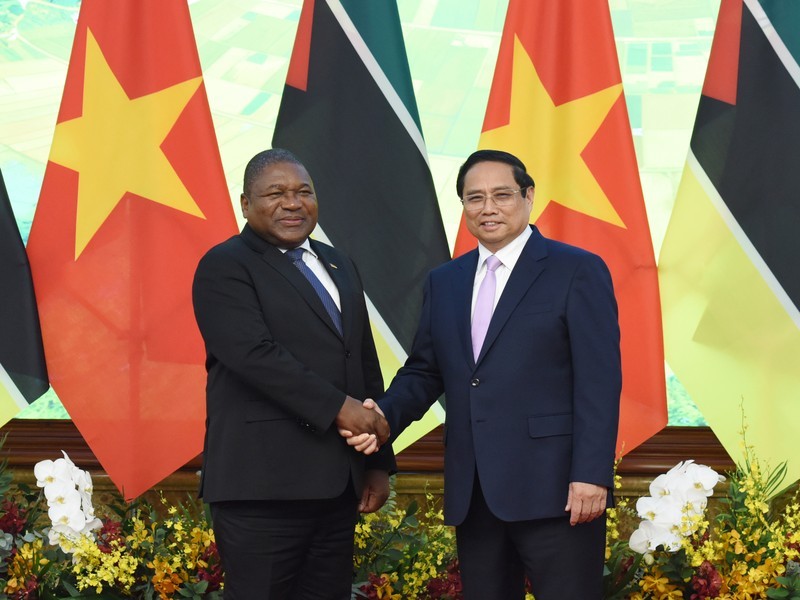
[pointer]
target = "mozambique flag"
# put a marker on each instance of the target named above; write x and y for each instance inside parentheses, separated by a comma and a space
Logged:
(556, 102)
(23, 374)
(133, 195)
(348, 112)
(728, 265)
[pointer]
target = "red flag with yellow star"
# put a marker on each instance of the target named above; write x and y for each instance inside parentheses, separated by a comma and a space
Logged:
(133, 195)
(556, 102)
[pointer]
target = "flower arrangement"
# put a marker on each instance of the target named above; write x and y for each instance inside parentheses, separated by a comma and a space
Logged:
(675, 508)
(68, 491)
(750, 550)
(400, 557)
(68, 552)
(52, 545)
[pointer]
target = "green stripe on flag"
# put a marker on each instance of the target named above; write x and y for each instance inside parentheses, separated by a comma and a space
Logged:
(785, 18)
(378, 23)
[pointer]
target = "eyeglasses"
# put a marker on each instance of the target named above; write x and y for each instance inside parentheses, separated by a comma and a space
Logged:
(501, 199)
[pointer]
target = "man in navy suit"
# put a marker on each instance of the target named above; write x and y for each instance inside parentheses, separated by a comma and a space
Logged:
(530, 368)
(290, 356)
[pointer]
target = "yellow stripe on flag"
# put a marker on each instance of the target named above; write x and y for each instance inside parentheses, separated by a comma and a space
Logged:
(726, 332)
(11, 399)
(390, 363)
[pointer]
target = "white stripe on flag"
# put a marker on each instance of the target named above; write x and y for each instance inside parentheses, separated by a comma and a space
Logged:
(11, 387)
(378, 75)
(775, 40)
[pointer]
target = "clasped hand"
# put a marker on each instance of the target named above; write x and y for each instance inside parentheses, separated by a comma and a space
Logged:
(363, 425)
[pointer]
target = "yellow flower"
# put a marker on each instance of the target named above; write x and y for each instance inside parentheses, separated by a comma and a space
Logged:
(659, 586)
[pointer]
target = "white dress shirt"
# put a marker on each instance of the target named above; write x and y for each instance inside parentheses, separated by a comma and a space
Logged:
(314, 263)
(508, 256)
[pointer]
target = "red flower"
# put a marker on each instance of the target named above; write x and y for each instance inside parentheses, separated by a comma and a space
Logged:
(28, 592)
(14, 519)
(110, 532)
(371, 587)
(793, 545)
(213, 572)
(706, 583)
(447, 587)
(624, 567)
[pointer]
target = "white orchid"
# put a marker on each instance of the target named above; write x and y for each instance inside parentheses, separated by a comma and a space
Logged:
(661, 510)
(62, 535)
(62, 493)
(650, 536)
(68, 491)
(67, 516)
(83, 481)
(50, 471)
(703, 478)
(675, 507)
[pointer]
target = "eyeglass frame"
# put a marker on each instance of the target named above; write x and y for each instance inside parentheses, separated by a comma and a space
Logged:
(475, 206)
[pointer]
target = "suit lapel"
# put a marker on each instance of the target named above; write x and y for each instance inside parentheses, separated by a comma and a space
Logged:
(464, 281)
(338, 273)
(275, 259)
(528, 268)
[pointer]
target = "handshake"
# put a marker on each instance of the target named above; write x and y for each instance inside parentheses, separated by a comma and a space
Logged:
(362, 425)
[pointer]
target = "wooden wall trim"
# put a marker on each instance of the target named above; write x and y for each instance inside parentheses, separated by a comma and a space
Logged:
(653, 457)
(30, 441)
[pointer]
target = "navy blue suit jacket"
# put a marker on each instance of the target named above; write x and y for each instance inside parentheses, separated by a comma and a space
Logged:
(540, 406)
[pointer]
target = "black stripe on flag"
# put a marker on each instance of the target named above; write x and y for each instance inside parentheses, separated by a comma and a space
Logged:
(21, 351)
(751, 153)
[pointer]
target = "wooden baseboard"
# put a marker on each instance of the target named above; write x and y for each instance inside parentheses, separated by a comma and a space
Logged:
(420, 466)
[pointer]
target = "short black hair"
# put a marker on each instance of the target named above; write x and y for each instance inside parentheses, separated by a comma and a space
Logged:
(263, 159)
(517, 166)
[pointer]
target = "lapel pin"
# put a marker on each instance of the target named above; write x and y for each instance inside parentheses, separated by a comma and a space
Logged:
(333, 266)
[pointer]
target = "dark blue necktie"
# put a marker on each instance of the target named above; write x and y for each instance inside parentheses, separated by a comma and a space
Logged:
(296, 255)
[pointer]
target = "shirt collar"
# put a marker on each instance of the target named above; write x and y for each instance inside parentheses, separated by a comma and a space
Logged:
(508, 254)
(306, 245)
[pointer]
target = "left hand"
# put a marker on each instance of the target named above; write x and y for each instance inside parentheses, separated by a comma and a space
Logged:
(376, 490)
(585, 502)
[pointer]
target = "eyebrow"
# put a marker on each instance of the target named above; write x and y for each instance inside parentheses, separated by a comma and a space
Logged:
(283, 186)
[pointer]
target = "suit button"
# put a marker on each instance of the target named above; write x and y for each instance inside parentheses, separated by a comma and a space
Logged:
(347, 353)
(475, 382)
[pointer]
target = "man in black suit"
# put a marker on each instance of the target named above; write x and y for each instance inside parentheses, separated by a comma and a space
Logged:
(289, 356)
(522, 337)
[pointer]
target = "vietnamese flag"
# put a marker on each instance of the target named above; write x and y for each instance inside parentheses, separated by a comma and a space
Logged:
(556, 102)
(133, 195)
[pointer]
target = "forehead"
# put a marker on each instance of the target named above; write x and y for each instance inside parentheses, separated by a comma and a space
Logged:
(283, 173)
(489, 174)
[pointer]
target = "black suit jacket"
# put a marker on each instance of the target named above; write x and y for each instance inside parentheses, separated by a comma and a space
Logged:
(278, 373)
(539, 407)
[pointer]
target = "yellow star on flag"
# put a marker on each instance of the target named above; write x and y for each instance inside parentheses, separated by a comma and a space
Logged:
(115, 146)
(549, 139)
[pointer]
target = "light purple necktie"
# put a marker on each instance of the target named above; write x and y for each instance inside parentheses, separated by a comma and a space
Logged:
(484, 305)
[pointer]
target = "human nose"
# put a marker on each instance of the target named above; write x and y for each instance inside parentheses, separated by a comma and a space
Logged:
(489, 206)
(291, 199)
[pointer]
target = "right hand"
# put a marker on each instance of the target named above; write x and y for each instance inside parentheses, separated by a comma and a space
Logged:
(356, 418)
(366, 442)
